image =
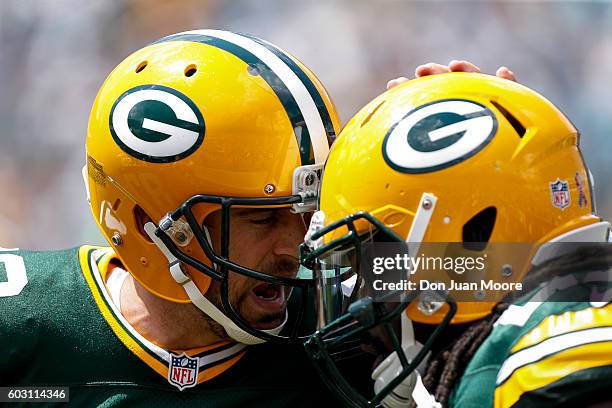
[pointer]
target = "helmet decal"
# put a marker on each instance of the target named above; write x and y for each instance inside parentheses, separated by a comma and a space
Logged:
(310, 87)
(304, 105)
(438, 135)
(156, 124)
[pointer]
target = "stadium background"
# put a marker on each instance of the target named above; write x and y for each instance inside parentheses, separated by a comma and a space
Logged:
(54, 55)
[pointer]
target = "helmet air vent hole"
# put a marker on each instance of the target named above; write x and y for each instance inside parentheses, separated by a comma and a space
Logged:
(141, 66)
(477, 231)
(520, 129)
(190, 70)
(116, 204)
(140, 219)
(367, 119)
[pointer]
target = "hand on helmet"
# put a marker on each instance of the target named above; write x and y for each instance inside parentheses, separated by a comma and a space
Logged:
(453, 66)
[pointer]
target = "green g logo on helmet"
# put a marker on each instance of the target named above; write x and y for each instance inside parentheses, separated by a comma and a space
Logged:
(438, 135)
(157, 124)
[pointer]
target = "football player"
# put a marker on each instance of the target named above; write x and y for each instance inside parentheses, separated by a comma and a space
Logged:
(478, 161)
(204, 151)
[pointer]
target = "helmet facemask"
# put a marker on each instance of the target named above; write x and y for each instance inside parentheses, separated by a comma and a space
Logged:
(366, 323)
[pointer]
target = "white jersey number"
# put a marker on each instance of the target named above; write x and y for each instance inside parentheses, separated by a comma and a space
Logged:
(15, 273)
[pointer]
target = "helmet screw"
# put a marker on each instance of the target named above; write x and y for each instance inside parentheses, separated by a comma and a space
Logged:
(252, 69)
(427, 204)
(116, 239)
(180, 237)
(143, 260)
(269, 188)
(506, 270)
(310, 179)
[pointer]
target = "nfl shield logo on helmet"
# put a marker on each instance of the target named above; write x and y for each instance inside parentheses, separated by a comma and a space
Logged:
(560, 194)
(183, 371)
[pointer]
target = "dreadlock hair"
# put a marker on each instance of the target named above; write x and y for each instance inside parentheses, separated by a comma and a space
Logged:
(445, 367)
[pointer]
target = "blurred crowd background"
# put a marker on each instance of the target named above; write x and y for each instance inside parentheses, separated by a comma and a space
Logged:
(54, 55)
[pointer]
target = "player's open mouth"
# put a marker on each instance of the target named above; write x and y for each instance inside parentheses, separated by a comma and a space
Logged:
(268, 295)
(270, 300)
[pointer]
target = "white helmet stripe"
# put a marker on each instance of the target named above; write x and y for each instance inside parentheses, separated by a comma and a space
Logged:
(295, 86)
(318, 136)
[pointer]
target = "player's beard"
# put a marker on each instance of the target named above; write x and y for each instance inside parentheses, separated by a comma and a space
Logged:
(240, 291)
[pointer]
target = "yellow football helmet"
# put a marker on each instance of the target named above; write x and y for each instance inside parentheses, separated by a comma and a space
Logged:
(450, 158)
(193, 123)
(472, 148)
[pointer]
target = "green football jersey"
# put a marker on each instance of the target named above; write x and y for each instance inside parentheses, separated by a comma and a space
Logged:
(60, 327)
(544, 352)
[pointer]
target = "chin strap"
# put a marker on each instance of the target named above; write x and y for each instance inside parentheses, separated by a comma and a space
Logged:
(412, 388)
(198, 298)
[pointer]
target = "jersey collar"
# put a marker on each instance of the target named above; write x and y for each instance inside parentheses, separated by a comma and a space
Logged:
(182, 368)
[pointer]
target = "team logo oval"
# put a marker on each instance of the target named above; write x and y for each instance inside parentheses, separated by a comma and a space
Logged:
(438, 135)
(156, 124)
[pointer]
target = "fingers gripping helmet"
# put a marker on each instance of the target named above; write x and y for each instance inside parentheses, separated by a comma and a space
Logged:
(193, 123)
(456, 157)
